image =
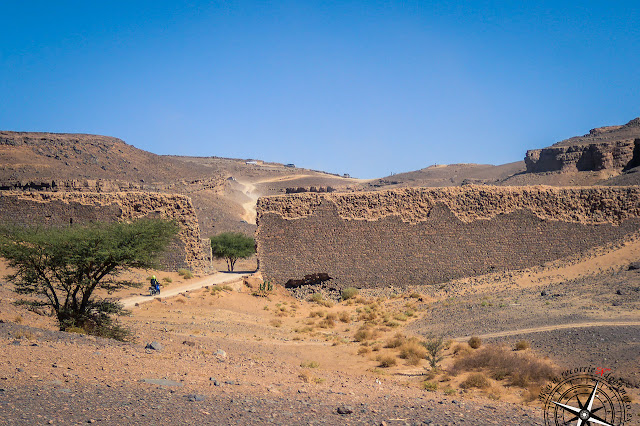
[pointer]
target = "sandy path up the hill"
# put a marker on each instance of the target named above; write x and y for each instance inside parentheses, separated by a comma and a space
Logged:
(250, 206)
(551, 328)
(217, 278)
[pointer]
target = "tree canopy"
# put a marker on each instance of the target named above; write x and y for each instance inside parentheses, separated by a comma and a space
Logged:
(232, 246)
(62, 267)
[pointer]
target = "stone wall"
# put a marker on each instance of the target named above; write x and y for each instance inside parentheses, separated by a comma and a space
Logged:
(418, 236)
(68, 208)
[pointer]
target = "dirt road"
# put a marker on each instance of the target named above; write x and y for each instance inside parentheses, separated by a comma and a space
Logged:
(217, 278)
(552, 328)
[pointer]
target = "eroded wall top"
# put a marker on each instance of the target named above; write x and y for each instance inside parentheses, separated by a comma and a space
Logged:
(587, 205)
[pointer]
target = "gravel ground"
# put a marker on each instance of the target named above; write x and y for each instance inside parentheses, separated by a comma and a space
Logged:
(51, 403)
(52, 377)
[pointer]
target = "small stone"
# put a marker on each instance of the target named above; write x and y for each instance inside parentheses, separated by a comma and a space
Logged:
(154, 346)
(16, 343)
(230, 382)
(634, 266)
(195, 397)
(544, 293)
(221, 354)
(343, 409)
(188, 343)
(619, 292)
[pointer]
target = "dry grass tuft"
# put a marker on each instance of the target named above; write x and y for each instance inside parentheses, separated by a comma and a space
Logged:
(474, 342)
(522, 345)
(275, 322)
(332, 316)
(461, 349)
(398, 340)
(364, 350)
(475, 380)
(365, 333)
(522, 370)
(345, 317)
(386, 361)
(413, 352)
(327, 323)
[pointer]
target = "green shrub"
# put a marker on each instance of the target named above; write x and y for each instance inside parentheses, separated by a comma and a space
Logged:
(434, 347)
(309, 364)
(319, 299)
(167, 280)
(349, 293)
(185, 273)
(522, 345)
(429, 386)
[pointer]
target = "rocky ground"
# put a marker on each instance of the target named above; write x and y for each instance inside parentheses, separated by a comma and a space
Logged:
(231, 354)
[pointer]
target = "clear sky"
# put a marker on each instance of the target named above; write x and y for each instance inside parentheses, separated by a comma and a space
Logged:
(360, 87)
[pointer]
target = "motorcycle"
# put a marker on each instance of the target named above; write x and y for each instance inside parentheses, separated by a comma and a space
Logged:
(153, 291)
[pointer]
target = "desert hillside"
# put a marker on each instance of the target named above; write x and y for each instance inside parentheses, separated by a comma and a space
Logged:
(223, 190)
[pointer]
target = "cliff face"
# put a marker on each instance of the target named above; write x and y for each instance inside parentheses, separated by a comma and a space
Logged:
(613, 147)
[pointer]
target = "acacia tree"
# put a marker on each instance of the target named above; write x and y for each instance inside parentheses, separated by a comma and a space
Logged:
(62, 267)
(232, 246)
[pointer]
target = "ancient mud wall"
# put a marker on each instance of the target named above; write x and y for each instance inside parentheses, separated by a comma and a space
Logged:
(68, 208)
(418, 236)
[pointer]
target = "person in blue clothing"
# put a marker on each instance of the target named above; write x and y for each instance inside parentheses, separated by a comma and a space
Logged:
(155, 285)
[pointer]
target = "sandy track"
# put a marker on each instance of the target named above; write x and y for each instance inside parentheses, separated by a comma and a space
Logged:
(250, 206)
(217, 278)
(552, 328)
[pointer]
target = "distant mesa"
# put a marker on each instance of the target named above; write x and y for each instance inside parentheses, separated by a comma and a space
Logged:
(604, 148)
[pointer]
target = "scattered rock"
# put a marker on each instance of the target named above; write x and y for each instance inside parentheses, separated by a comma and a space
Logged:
(544, 293)
(195, 397)
(154, 346)
(162, 382)
(344, 409)
(633, 266)
(189, 343)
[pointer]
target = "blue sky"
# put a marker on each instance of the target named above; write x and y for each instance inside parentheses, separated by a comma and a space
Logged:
(360, 87)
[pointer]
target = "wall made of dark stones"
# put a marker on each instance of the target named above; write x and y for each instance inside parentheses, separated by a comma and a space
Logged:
(387, 250)
(67, 209)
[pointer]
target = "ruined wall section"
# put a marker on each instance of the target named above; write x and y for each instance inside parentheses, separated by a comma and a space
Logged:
(418, 236)
(68, 208)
